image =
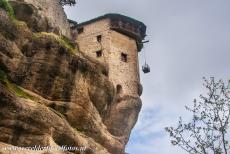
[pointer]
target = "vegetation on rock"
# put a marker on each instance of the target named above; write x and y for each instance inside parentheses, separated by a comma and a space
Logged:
(7, 7)
(13, 87)
(60, 39)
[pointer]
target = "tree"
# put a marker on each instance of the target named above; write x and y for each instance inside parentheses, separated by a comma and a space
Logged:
(208, 131)
(67, 2)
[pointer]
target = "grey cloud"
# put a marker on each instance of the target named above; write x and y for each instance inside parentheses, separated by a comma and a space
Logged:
(189, 39)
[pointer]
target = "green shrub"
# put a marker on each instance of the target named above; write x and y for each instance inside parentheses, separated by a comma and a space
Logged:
(7, 7)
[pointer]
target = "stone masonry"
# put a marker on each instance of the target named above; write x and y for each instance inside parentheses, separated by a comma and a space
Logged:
(115, 48)
(115, 41)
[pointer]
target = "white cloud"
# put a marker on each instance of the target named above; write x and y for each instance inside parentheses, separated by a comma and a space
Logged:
(159, 145)
(149, 136)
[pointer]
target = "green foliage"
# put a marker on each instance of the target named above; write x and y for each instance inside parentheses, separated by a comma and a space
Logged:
(7, 7)
(19, 23)
(13, 87)
(60, 39)
(67, 42)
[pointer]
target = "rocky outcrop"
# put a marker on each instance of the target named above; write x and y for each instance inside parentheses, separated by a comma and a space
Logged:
(52, 95)
(42, 15)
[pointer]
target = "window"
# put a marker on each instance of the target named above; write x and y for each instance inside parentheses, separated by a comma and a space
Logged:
(119, 89)
(124, 57)
(99, 53)
(80, 30)
(99, 38)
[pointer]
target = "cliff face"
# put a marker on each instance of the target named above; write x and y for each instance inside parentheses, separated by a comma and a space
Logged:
(52, 95)
(42, 15)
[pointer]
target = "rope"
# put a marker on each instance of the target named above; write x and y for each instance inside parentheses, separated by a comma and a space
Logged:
(144, 55)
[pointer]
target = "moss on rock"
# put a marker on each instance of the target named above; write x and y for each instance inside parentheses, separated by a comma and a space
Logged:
(60, 39)
(4, 4)
(13, 87)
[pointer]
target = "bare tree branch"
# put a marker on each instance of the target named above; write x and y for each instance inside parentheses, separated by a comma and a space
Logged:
(208, 130)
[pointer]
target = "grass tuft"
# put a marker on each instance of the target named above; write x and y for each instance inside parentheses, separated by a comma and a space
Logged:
(67, 42)
(60, 39)
(13, 87)
(8, 8)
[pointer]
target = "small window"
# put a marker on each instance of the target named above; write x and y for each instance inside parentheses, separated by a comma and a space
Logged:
(80, 30)
(99, 38)
(119, 89)
(99, 53)
(124, 57)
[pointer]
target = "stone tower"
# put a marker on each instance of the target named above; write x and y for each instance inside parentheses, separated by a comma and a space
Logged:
(115, 40)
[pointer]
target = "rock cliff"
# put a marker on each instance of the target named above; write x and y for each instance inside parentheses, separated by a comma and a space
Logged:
(52, 95)
(42, 15)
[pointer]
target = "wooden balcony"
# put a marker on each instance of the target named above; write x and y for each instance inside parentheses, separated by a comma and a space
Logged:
(129, 29)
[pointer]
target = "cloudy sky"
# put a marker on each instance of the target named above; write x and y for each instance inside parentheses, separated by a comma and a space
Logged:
(189, 39)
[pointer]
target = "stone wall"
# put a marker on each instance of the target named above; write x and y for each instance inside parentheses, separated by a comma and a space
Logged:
(125, 74)
(47, 10)
(88, 43)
